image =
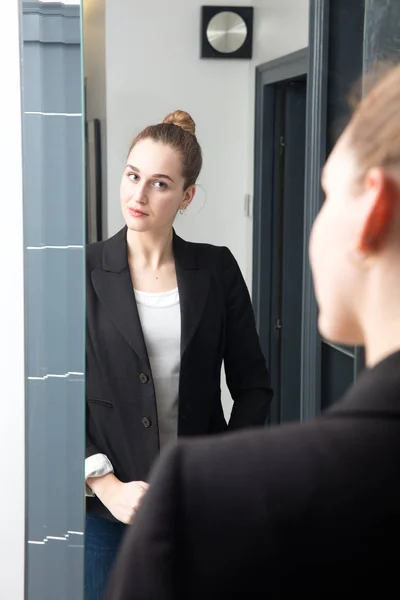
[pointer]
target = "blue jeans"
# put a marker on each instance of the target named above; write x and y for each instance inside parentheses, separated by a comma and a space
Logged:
(102, 541)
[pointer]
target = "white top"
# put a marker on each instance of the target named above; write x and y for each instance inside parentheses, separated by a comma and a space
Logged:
(160, 318)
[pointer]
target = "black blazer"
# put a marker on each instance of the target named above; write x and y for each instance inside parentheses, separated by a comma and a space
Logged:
(304, 510)
(217, 325)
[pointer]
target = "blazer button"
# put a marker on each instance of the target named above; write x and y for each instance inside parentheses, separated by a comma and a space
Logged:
(146, 422)
(143, 378)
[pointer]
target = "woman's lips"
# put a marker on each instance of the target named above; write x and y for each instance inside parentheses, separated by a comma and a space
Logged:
(137, 213)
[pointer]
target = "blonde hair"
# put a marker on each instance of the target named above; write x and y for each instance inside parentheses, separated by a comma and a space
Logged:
(182, 119)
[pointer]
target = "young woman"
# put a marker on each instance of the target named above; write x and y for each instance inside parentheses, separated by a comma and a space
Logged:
(162, 316)
(306, 510)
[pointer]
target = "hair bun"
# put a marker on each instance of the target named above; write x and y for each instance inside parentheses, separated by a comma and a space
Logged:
(182, 119)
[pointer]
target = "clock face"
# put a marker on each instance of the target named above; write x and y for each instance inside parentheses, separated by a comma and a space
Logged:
(226, 32)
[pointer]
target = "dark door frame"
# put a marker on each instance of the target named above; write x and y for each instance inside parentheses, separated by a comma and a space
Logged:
(316, 118)
(289, 67)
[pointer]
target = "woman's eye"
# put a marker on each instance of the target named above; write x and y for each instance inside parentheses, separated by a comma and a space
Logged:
(132, 176)
(160, 185)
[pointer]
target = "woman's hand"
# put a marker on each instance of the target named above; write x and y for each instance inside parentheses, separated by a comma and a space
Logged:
(121, 499)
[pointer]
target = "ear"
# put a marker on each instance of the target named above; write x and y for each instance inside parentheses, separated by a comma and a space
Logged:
(383, 194)
(188, 196)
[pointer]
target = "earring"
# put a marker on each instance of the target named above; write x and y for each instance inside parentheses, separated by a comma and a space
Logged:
(181, 211)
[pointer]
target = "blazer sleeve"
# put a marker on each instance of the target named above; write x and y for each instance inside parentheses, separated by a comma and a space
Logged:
(91, 448)
(245, 367)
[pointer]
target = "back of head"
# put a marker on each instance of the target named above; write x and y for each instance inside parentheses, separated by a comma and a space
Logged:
(355, 242)
(374, 130)
(178, 130)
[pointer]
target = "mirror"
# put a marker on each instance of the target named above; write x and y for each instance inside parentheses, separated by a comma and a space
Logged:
(126, 90)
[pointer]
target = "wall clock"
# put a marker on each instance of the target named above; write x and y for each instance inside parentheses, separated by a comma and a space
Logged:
(227, 32)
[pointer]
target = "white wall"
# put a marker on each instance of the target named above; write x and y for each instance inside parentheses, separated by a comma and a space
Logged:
(153, 67)
(12, 346)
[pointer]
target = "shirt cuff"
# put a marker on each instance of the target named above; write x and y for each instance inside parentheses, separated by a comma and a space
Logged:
(97, 465)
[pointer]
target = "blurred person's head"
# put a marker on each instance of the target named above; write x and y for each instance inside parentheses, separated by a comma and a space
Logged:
(355, 242)
(163, 164)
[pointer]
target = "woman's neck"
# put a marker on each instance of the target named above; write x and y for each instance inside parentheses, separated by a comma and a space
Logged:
(381, 320)
(381, 342)
(150, 249)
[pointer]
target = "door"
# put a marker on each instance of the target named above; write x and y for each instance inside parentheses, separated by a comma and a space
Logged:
(287, 248)
(278, 224)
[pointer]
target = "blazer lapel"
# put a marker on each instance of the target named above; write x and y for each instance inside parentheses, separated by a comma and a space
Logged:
(113, 286)
(194, 285)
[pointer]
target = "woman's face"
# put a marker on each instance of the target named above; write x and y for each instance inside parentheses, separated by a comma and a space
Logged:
(152, 187)
(339, 278)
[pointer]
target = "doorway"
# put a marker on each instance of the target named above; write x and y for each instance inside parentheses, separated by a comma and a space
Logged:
(278, 236)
